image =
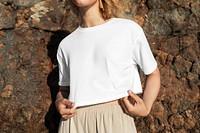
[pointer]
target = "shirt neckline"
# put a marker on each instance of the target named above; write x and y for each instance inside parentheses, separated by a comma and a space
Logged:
(97, 26)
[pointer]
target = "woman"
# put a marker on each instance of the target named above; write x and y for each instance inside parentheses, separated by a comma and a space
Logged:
(98, 66)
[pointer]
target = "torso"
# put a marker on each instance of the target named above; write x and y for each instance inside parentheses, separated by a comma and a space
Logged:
(110, 102)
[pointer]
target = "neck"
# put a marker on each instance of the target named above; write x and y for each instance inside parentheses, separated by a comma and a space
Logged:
(91, 16)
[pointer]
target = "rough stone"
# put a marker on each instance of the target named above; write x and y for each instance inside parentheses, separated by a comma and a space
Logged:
(30, 32)
(7, 91)
(2, 83)
(161, 57)
(52, 16)
(21, 3)
(176, 18)
(7, 17)
(196, 68)
(176, 120)
(182, 66)
(2, 45)
(156, 24)
(170, 46)
(158, 110)
(181, 131)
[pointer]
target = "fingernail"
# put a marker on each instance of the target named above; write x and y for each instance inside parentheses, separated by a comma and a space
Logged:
(129, 91)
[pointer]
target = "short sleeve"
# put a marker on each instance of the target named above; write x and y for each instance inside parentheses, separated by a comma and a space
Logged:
(142, 54)
(64, 71)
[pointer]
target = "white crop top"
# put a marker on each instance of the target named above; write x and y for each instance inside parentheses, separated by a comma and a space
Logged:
(100, 63)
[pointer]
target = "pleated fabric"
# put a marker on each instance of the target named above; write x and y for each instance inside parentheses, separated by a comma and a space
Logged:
(101, 118)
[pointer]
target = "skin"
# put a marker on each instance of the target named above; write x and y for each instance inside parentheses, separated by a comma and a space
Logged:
(65, 107)
(133, 105)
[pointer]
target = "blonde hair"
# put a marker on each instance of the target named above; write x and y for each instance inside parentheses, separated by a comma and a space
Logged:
(107, 11)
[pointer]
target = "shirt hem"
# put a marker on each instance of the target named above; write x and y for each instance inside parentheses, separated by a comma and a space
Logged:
(64, 83)
(99, 101)
(151, 70)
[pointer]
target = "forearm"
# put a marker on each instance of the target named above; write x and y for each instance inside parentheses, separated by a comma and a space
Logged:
(65, 107)
(151, 89)
(63, 92)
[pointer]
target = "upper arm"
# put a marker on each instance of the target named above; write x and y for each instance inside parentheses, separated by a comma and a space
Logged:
(64, 70)
(143, 55)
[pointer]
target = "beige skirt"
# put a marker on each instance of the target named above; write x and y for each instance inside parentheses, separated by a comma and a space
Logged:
(101, 118)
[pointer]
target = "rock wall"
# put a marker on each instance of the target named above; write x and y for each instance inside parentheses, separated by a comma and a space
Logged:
(31, 30)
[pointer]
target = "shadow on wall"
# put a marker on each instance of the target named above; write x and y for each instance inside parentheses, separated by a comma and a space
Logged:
(52, 117)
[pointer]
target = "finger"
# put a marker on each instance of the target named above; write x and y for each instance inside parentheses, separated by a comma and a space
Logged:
(66, 111)
(73, 109)
(65, 117)
(134, 96)
(73, 105)
(131, 100)
(127, 104)
(68, 103)
(123, 106)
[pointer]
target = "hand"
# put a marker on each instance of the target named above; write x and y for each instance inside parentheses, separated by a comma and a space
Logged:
(134, 105)
(66, 108)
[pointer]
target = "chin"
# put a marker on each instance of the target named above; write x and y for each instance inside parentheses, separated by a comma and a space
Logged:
(84, 3)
